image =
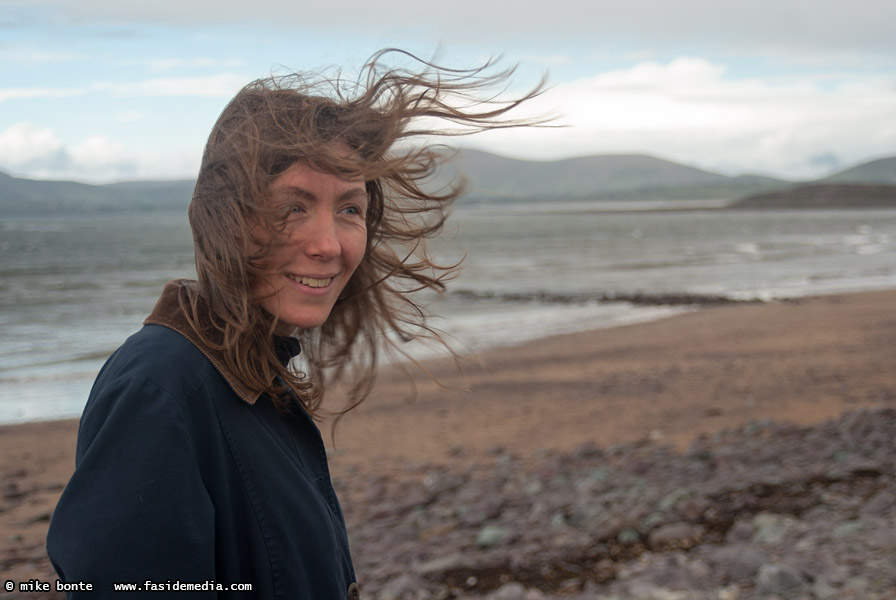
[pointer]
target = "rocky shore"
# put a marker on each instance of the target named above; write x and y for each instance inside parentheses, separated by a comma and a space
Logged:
(769, 510)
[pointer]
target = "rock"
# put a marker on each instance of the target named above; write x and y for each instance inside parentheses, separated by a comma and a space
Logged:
(42, 517)
(509, 591)
(628, 536)
(456, 561)
(436, 483)
(848, 529)
(456, 450)
(11, 491)
(779, 580)
(856, 586)
(559, 517)
(771, 528)
(403, 587)
(879, 503)
(738, 562)
(823, 591)
(741, 531)
(492, 535)
(648, 591)
(674, 535)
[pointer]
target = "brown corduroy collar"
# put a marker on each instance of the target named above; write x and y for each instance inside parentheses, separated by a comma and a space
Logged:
(169, 312)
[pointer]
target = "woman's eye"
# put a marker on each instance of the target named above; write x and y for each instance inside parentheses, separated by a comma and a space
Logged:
(352, 210)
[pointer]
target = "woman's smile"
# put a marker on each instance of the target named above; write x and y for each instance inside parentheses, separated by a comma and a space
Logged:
(312, 282)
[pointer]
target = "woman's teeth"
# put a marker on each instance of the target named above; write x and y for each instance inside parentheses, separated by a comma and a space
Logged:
(311, 282)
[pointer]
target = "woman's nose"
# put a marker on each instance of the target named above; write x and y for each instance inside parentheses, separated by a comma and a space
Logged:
(321, 239)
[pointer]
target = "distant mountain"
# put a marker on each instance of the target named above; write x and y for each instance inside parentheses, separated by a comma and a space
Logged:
(27, 196)
(823, 195)
(595, 177)
(490, 177)
(877, 171)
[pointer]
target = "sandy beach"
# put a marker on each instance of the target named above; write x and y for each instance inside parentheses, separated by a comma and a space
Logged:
(802, 361)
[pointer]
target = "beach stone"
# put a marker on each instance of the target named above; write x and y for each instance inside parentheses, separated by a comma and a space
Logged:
(779, 580)
(455, 561)
(492, 535)
(437, 483)
(882, 537)
(856, 586)
(403, 587)
(824, 591)
(643, 590)
(848, 529)
(11, 491)
(738, 562)
(509, 591)
(879, 503)
(678, 534)
(771, 528)
(628, 536)
(741, 531)
(840, 547)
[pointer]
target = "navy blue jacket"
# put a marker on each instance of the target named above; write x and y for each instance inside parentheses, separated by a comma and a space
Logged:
(183, 476)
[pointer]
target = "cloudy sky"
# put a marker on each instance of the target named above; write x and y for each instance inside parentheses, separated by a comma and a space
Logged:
(107, 90)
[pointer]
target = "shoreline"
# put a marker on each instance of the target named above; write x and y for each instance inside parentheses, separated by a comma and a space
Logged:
(803, 360)
(687, 302)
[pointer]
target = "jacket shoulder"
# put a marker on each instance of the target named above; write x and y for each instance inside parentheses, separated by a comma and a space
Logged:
(161, 357)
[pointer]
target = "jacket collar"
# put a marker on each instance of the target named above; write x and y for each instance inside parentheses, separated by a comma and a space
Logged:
(169, 312)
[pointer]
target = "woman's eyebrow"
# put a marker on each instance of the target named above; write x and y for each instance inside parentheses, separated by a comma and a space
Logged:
(349, 194)
(294, 191)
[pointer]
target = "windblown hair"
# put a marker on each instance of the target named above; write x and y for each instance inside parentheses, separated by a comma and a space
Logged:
(271, 124)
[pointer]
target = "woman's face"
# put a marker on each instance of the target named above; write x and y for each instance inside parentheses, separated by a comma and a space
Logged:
(325, 237)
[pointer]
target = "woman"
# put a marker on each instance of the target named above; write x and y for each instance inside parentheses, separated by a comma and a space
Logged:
(199, 465)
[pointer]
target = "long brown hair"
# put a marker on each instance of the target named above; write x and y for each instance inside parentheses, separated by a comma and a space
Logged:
(274, 122)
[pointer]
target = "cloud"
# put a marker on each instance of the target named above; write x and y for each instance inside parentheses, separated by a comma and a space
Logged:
(98, 152)
(689, 110)
(822, 26)
(158, 65)
(24, 54)
(38, 151)
(24, 146)
(39, 92)
(214, 86)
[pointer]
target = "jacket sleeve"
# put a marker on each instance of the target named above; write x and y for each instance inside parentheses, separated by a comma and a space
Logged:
(136, 509)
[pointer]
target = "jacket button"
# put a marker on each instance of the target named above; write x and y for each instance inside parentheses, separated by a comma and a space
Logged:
(354, 591)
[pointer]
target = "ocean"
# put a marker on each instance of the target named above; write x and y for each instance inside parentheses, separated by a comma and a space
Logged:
(75, 286)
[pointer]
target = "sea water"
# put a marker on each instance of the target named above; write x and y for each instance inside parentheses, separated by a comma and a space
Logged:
(75, 286)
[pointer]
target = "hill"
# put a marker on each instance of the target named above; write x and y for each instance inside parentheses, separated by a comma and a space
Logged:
(824, 195)
(19, 195)
(491, 176)
(882, 171)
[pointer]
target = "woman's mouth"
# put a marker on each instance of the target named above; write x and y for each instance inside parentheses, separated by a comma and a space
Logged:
(311, 281)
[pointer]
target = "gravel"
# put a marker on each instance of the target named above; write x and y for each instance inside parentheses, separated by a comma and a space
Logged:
(769, 511)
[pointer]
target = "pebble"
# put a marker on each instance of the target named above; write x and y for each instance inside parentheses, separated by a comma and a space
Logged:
(492, 535)
(768, 511)
(674, 535)
(738, 562)
(509, 591)
(779, 580)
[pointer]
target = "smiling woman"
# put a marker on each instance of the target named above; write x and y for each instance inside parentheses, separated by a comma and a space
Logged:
(198, 458)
